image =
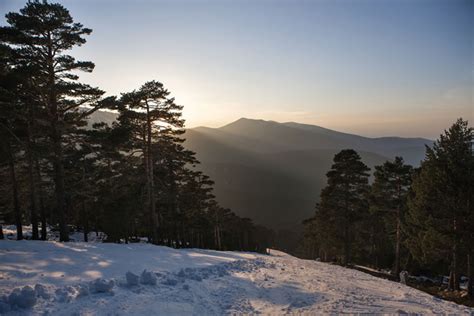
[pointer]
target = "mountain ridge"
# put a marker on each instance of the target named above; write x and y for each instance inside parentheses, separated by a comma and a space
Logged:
(273, 172)
(306, 125)
(296, 136)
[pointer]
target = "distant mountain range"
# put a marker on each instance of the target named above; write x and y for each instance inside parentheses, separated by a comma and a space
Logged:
(273, 172)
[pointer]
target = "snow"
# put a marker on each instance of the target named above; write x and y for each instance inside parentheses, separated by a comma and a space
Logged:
(132, 278)
(23, 298)
(101, 286)
(53, 278)
(147, 278)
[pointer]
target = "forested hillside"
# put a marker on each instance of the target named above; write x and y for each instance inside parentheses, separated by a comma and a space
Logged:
(130, 179)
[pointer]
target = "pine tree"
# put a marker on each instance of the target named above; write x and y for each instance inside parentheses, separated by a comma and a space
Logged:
(441, 207)
(10, 118)
(344, 199)
(40, 35)
(389, 194)
(94, 179)
(149, 114)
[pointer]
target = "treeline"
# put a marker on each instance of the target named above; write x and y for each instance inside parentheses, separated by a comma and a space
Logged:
(416, 219)
(130, 179)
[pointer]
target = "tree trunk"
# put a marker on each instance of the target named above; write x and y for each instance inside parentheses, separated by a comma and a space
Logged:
(58, 165)
(347, 250)
(373, 248)
(219, 243)
(150, 178)
(453, 275)
(457, 286)
(56, 137)
(246, 240)
(41, 201)
(451, 279)
(216, 242)
(470, 281)
(59, 188)
(32, 187)
(44, 232)
(347, 245)
(152, 237)
(43, 216)
(85, 221)
(396, 270)
(16, 203)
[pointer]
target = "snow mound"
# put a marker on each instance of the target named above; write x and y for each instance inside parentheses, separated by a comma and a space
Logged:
(101, 286)
(41, 291)
(23, 298)
(148, 278)
(132, 279)
(64, 295)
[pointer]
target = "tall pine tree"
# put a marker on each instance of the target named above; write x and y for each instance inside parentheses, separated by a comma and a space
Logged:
(389, 194)
(150, 114)
(440, 211)
(344, 200)
(40, 36)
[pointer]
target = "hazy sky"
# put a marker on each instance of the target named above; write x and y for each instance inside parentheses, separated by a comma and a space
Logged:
(376, 68)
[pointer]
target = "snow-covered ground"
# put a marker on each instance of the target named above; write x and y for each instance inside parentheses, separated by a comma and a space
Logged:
(190, 281)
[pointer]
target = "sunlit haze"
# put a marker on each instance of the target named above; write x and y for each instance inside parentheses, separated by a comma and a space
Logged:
(375, 68)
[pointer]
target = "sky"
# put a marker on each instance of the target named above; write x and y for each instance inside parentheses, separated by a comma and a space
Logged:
(370, 67)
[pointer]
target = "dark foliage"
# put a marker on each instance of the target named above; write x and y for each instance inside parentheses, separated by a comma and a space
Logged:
(419, 220)
(130, 180)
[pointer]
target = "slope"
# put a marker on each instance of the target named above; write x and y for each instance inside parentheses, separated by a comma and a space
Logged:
(191, 282)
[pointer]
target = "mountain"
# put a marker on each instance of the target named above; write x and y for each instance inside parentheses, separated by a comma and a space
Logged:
(273, 172)
(101, 116)
(296, 136)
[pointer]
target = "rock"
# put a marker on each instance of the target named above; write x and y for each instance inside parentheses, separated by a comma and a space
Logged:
(101, 286)
(24, 298)
(148, 278)
(132, 278)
